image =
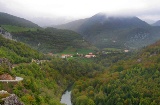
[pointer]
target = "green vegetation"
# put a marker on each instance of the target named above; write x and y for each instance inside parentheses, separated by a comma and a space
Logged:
(112, 50)
(7, 19)
(132, 81)
(85, 51)
(114, 31)
(53, 40)
(71, 50)
(109, 79)
(11, 28)
(45, 83)
(128, 79)
(14, 52)
(17, 52)
(4, 95)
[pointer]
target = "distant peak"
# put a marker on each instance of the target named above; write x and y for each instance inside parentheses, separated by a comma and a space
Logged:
(156, 23)
(113, 15)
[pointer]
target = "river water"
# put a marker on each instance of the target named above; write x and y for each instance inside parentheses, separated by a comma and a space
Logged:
(66, 98)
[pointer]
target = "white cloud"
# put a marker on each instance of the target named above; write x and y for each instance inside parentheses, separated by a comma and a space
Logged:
(79, 8)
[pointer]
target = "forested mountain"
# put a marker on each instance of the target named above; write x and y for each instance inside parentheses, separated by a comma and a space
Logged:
(156, 23)
(43, 82)
(52, 40)
(44, 40)
(17, 52)
(12, 52)
(7, 19)
(111, 78)
(74, 25)
(128, 82)
(115, 31)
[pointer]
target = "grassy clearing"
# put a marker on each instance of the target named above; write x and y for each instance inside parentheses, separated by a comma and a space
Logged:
(84, 51)
(71, 50)
(85, 60)
(112, 49)
(11, 28)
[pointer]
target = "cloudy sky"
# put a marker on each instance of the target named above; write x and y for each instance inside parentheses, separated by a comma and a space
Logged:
(60, 11)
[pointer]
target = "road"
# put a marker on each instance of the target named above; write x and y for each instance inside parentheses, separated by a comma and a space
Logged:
(17, 79)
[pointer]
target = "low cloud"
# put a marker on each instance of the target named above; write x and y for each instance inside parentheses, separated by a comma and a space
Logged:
(53, 9)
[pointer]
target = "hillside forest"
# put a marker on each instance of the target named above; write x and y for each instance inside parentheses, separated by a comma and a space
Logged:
(113, 74)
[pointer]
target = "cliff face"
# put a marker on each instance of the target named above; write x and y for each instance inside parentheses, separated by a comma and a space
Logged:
(6, 62)
(12, 100)
(5, 34)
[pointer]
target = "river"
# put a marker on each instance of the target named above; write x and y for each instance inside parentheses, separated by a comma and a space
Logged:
(66, 98)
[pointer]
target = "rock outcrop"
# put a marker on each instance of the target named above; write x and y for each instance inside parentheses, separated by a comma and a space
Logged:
(12, 100)
(5, 34)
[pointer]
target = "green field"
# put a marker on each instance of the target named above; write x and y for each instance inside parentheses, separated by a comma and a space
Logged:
(84, 60)
(112, 49)
(11, 28)
(71, 50)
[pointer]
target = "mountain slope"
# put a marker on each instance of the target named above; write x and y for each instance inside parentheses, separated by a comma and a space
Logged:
(7, 19)
(115, 31)
(101, 22)
(45, 40)
(129, 82)
(43, 83)
(12, 52)
(74, 25)
(52, 40)
(17, 52)
(156, 23)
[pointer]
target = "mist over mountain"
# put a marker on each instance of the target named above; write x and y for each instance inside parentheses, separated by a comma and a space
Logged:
(74, 25)
(157, 23)
(105, 77)
(7, 19)
(114, 31)
(48, 21)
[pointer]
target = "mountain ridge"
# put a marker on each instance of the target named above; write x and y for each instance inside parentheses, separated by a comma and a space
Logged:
(7, 19)
(52, 40)
(157, 23)
(114, 31)
(46, 40)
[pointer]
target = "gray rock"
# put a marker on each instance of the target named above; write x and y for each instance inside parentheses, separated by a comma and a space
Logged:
(12, 100)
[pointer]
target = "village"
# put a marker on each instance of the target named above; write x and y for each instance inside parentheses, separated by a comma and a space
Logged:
(89, 55)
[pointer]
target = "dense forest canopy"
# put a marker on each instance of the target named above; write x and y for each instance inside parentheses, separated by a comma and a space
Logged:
(17, 52)
(133, 81)
(114, 31)
(52, 40)
(113, 77)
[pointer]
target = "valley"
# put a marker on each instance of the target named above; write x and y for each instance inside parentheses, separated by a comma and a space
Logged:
(107, 60)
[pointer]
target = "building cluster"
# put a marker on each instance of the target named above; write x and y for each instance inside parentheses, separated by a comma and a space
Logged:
(66, 55)
(89, 55)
